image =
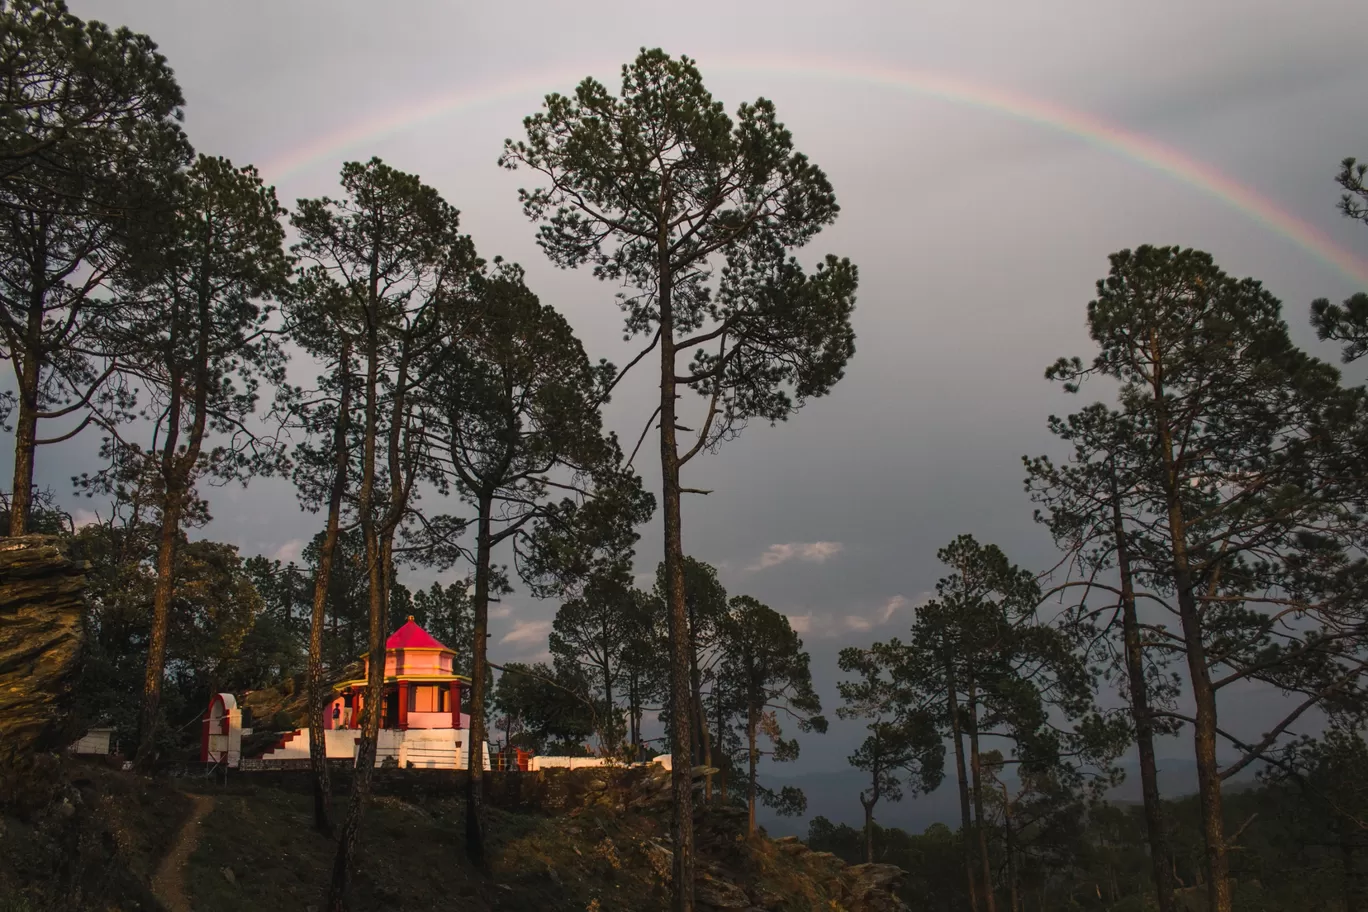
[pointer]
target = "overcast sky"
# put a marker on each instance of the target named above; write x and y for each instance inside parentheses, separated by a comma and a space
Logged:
(978, 234)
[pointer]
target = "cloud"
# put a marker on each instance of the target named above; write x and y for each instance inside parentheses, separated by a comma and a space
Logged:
(812, 552)
(82, 518)
(896, 604)
(527, 631)
(290, 551)
(826, 626)
(498, 612)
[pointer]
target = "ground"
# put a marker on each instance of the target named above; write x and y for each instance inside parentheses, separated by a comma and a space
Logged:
(169, 883)
(568, 842)
(81, 836)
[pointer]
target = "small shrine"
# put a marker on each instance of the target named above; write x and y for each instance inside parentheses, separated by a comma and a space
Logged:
(421, 688)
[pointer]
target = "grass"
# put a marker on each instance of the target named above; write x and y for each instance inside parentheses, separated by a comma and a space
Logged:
(409, 858)
(570, 846)
(88, 838)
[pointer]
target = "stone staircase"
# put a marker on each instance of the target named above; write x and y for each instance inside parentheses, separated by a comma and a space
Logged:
(289, 746)
(418, 748)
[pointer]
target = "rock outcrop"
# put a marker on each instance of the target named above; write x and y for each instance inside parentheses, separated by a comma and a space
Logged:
(41, 604)
(750, 874)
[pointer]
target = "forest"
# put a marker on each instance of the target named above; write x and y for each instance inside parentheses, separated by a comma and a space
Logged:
(1207, 494)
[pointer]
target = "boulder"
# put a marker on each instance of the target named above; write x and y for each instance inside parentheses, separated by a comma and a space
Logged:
(41, 604)
(712, 893)
(873, 887)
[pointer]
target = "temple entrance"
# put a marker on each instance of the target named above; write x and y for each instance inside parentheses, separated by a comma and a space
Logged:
(391, 710)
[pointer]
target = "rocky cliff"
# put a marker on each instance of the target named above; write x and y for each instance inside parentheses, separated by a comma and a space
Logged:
(40, 644)
(734, 871)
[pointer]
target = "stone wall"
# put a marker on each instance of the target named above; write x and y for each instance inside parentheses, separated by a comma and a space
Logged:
(41, 635)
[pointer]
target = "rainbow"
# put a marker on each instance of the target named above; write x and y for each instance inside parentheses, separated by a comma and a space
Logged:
(1096, 132)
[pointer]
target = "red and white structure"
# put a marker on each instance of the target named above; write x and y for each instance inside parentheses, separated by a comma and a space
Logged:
(421, 689)
(221, 740)
(421, 723)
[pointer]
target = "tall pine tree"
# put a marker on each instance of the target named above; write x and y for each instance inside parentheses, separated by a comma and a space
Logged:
(657, 188)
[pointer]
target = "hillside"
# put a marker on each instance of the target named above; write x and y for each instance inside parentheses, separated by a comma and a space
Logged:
(560, 842)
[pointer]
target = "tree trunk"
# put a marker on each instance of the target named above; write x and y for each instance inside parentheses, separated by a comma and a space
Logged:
(25, 434)
(478, 684)
(28, 373)
(952, 701)
(868, 828)
(681, 729)
(869, 815)
(981, 831)
(722, 776)
(1010, 843)
(874, 775)
(633, 714)
(1160, 860)
(177, 470)
(1208, 773)
(371, 706)
(1353, 882)
(752, 720)
(611, 722)
(1204, 695)
(156, 644)
(705, 733)
(374, 705)
(318, 752)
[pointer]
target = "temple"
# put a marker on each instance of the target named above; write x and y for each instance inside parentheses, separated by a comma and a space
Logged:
(421, 723)
(421, 688)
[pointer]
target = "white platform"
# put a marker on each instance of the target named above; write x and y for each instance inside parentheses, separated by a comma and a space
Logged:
(428, 748)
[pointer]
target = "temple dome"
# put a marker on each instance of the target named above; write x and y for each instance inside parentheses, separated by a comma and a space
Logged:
(411, 636)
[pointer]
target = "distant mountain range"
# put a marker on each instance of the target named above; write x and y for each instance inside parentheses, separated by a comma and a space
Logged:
(836, 796)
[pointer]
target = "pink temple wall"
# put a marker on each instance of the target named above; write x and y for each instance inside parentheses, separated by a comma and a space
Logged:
(415, 719)
(415, 662)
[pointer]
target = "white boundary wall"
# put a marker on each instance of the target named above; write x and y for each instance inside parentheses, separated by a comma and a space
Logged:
(541, 763)
(424, 748)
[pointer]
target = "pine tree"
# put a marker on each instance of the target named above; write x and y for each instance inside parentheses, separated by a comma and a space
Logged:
(515, 411)
(594, 631)
(904, 748)
(987, 666)
(1093, 504)
(1250, 492)
(383, 262)
(764, 664)
(705, 602)
(1347, 323)
(90, 147)
(655, 188)
(196, 311)
(448, 614)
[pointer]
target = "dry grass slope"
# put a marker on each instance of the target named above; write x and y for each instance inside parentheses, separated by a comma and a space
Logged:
(564, 841)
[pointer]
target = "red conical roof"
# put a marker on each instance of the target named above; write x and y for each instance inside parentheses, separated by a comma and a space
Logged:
(411, 636)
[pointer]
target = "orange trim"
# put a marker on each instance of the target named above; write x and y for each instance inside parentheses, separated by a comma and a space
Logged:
(412, 649)
(394, 679)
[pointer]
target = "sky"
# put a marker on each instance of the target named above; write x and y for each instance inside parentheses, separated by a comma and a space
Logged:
(987, 158)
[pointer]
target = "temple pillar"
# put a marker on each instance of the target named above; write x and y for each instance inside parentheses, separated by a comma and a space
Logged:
(454, 695)
(357, 706)
(403, 705)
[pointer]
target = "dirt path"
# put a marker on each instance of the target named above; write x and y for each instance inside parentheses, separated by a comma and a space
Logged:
(168, 885)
